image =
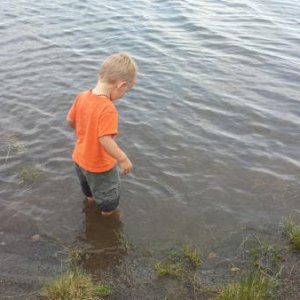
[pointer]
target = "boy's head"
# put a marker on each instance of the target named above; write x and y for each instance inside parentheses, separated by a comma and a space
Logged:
(119, 72)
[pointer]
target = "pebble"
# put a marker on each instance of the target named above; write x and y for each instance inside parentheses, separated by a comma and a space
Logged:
(212, 255)
(35, 237)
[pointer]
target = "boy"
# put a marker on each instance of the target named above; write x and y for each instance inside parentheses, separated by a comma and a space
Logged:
(95, 120)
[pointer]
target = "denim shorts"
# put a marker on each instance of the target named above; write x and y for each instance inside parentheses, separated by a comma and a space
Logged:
(103, 187)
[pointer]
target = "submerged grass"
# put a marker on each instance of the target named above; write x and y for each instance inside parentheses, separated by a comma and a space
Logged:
(254, 286)
(267, 259)
(28, 174)
(168, 269)
(179, 261)
(125, 245)
(192, 255)
(74, 285)
(292, 232)
(15, 146)
(75, 256)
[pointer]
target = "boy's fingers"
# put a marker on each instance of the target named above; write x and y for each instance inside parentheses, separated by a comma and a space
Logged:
(125, 171)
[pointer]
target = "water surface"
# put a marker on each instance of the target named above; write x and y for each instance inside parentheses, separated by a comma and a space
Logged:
(212, 126)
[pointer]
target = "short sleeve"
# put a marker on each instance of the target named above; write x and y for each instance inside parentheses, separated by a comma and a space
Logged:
(72, 111)
(108, 124)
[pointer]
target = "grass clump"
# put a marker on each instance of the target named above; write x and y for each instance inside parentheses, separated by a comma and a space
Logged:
(15, 146)
(75, 256)
(29, 174)
(266, 258)
(179, 261)
(192, 255)
(125, 245)
(292, 232)
(254, 286)
(168, 269)
(74, 285)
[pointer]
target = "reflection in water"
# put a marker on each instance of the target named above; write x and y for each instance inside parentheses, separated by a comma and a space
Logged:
(104, 236)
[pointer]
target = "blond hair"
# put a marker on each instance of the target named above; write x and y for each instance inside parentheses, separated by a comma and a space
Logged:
(119, 66)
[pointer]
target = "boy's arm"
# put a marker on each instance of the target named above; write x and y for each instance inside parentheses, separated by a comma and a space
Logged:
(112, 148)
(71, 114)
(70, 122)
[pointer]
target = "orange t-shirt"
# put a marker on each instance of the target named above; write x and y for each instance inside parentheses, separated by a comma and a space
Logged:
(94, 116)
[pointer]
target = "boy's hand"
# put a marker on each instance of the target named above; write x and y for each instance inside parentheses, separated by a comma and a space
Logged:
(113, 149)
(125, 165)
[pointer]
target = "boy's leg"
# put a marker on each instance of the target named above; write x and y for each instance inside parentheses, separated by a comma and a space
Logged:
(106, 189)
(86, 190)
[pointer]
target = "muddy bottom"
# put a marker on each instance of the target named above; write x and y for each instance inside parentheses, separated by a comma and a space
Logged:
(105, 250)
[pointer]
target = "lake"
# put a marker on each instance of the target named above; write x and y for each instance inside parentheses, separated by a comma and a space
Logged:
(212, 125)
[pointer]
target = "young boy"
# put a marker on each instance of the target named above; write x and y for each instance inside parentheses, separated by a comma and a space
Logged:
(95, 120)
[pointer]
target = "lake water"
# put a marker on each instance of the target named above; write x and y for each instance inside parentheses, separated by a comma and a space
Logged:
(212, 126)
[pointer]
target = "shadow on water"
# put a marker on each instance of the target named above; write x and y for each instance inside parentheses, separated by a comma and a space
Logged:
(104, 239)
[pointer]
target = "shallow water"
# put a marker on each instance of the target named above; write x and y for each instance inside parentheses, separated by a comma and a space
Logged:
(212, 125)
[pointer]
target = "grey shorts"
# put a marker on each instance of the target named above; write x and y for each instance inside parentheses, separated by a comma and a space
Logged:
(103, 187)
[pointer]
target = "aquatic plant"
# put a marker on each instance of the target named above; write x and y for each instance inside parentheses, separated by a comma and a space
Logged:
(178, 261)
(125, 245)
(75, 256)
(168, 269)
(292, 232)
(192, 255)
(29, 174)
(266, 258)
(74, 285)
(15, 146)
(254, 286)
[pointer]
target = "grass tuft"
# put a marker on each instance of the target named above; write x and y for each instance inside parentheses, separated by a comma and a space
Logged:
(168, 269)
(252, 287)
(266, 258)
(125, 245)
(192, 255)
(14, 146)
(74, 285)
(178, 262)
(75, 256)
(292, 232)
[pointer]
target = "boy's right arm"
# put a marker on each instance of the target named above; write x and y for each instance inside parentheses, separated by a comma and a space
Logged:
(70, 122)
(112, 148)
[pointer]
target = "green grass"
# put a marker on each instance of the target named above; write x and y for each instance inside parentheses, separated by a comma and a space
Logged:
(15, 146)
(75, 256)
(266, 258)
(74, 285)
(179, 261)
(192, 255)
(168, 269)
(29, 174)
(252, 287)
(292, 232)
(124, 244)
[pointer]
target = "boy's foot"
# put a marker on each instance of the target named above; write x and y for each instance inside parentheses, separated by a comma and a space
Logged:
(90, 200)
(114, 213)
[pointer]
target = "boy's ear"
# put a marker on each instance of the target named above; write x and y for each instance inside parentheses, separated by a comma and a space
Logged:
(121, 84)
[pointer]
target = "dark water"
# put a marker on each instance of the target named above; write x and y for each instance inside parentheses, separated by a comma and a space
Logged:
(212, 126)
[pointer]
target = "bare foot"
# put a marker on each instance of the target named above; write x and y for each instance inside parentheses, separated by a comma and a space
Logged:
(115, 213)
(90, 200)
